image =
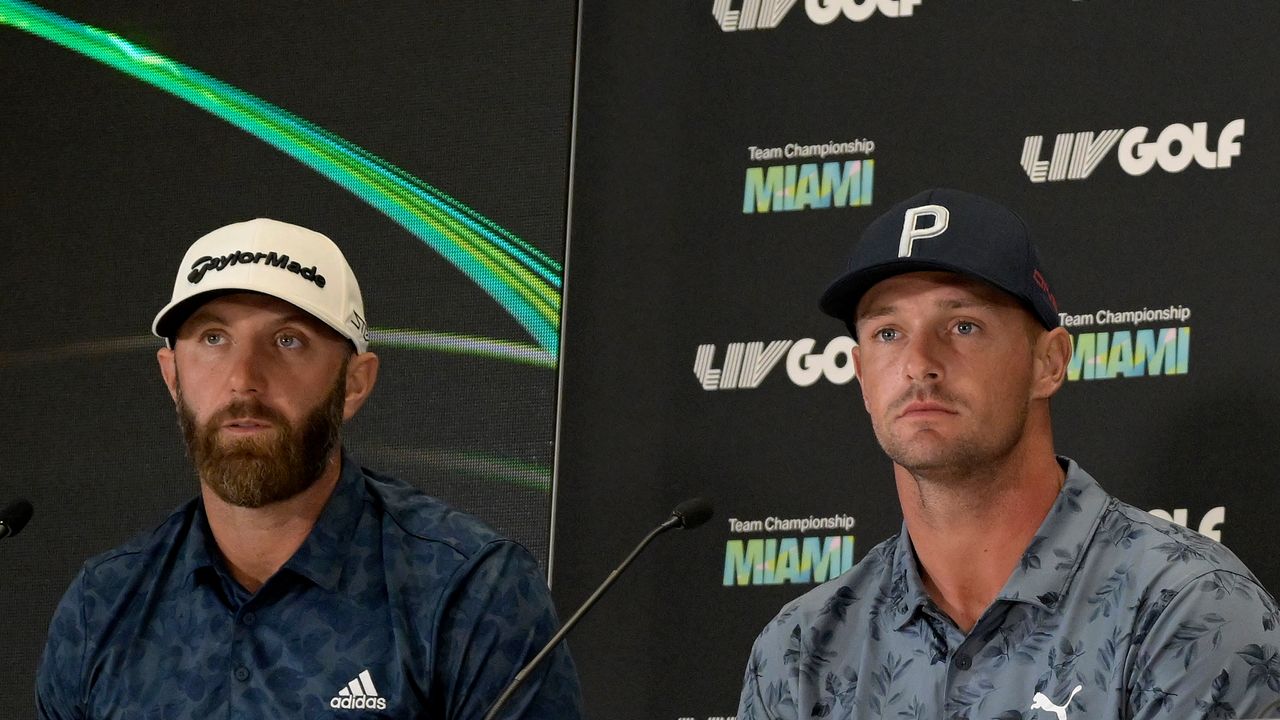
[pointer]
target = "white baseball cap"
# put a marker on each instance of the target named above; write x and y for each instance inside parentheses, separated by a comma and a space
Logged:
(297, 265)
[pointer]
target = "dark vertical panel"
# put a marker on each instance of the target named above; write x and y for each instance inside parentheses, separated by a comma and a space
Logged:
(664, 260)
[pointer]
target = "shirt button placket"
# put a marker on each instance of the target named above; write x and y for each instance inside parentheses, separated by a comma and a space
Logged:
(241, 672)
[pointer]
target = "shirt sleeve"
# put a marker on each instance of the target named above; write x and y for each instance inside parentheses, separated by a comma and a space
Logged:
(59, 680)
(497, 615)
(1211, 650)
(767, 684)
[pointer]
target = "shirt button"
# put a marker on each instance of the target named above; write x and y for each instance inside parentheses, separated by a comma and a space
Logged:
(963, 661)
(242, 673)
(248, 618)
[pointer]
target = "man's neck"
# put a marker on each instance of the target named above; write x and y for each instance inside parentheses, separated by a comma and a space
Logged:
(969, 530)
(257, 542)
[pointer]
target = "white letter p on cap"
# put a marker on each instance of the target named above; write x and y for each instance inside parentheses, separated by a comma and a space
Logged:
(911, 233)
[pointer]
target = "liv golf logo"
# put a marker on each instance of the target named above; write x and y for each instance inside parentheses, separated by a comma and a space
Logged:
(746, 365)
(1076, 155)
(766, 14)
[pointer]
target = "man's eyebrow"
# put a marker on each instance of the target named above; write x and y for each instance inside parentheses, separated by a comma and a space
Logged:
(956, 304)
(204, 317)
(879, 311)
(298, 318)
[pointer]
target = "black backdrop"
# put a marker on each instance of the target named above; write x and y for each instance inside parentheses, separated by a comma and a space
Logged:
(106, 179)
(663, 261)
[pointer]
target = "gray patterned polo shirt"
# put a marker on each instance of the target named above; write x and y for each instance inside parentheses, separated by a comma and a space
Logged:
(395, 606)
(1111, 613)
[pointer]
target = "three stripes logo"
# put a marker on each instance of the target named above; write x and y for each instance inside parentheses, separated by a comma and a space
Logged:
(745, 364)
(763, 14)
(1075, 155)
(359, 694)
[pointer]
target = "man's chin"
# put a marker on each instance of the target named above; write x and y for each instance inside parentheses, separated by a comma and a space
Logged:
(252, 498)
(927, 452)
(919, 464)
(250, 480)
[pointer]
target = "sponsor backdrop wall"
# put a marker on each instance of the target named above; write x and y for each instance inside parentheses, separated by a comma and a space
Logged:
(419, 136)
(729, 152)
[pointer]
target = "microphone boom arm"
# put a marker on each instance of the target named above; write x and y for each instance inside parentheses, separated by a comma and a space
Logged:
(672, 522)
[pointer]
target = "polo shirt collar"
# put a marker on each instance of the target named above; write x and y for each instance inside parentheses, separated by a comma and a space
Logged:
(322, 555)
(1049, 564)
(907, 595)
(1044, 573)
(198, 552)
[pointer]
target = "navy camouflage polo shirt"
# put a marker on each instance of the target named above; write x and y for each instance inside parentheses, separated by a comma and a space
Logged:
(395, 606)
(1112, 613)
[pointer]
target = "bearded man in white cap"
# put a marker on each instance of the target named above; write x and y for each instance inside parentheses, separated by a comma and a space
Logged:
(297, 584)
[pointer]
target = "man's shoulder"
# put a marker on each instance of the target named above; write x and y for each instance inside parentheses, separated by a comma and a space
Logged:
(1163, 548)
(1150, 565)
(1129, 550)
(141, 552)
(426, 520)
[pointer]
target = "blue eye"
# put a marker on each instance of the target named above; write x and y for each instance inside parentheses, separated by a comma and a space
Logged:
(288, 341)
(886, 334)
(212, 338)
(964, 327)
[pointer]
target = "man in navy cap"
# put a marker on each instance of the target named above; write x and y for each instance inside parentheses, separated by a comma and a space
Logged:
(1017, 587)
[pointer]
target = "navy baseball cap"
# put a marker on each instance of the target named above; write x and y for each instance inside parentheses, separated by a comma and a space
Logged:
(951, 231)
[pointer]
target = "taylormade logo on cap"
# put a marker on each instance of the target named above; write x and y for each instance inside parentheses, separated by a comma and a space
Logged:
(274, 259)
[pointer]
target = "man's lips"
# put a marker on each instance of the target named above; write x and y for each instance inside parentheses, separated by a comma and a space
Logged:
(925, 408)
(246, 425)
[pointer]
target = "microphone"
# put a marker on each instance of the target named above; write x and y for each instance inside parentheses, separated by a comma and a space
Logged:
(686, 516)
(14, 518)
(692, 513)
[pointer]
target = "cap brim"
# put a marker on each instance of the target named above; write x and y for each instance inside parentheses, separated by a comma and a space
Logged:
(841, 298)
(170, 318)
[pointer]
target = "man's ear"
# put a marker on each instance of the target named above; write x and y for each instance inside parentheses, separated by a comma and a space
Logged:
(1052, 354)
(362, 375)
(168, 370)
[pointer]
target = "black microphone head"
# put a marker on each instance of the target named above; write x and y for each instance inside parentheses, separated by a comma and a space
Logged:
(15, 517)
(693, 513)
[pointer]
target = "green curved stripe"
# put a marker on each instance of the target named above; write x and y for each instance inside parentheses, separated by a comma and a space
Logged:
(493, 468)
(524, 280)
(462, 345)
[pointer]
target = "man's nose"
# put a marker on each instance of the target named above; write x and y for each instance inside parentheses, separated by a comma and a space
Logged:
(245, 371)
(922, 361)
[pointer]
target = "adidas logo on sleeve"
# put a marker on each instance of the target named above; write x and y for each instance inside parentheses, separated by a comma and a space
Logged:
(359, 694)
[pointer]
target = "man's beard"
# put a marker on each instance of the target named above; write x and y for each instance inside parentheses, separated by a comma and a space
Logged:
(274, 466)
